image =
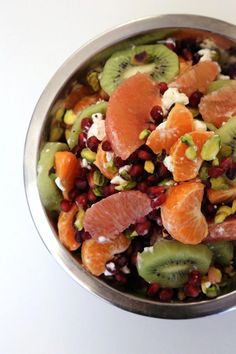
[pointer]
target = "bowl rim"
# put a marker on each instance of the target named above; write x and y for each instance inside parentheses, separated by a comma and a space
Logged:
(45, 230)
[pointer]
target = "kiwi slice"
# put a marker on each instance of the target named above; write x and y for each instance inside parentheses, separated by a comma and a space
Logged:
(227, 134)
(169, 262)
(161, 63)
(216, 85)
(223, 251)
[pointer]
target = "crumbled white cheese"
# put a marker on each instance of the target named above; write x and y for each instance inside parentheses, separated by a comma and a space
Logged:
(118, 180)
(208, 44)
(161, 125)
(172, 96)
(223, 77)
(199, 125)
(148, 249)
(85, 164)
(107, 273)
(125, 270)
(168, 163)
(125, 168)
(98, 127)
(111, 266)
(59, 184)
(207, 54)
(109, 156)
(102, 239)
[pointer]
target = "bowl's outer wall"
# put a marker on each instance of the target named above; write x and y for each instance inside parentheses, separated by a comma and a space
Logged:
(36, 136)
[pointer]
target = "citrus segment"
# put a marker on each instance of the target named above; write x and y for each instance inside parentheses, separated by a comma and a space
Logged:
(179, 121)
(112, 215)
(85, 102)
(102, 163)
(181, 213)
(226, 231)
(128, 113)
(75, 95)
(218, 106)
(185, 169)
(95, 255)
(196, 78)
(220, 196)
(66, 230)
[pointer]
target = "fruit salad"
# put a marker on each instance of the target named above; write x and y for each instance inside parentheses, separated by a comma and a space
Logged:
(139, 168)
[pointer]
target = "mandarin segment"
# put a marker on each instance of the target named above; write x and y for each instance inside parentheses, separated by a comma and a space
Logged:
(85, 102)
(102, 163)
(181, 213)
(95, 255)
(66, 230)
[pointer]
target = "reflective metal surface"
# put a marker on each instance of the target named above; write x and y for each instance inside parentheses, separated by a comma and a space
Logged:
(100, 48)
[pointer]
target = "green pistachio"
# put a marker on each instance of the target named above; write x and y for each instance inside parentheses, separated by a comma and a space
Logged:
(88, 154)
(149, 166)
(98, 191)
(144, 134)
(99, 179)
(211, 148)
(219, 183)
(126, 186)
(191, 153)
(79, 221)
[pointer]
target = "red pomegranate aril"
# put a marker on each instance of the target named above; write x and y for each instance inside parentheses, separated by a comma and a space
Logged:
(194, 278)
(81, 184)
(136, 170)
(133, 259)
(153, 289)
(158, 201)
(143, 229)
(92, 143)
(121, 261)
(154, 191)
(187, 54)
(82, 140)
(121, 278)
(65, 205)
(191, 290)
(144, 155)
(142, 187)
(86, 124)
(152, 180)
(82, 199)
(166, 294)
(151, 126)
(141, 220)
(163, 87)
(109, 190)
(195, 99)
(215, 172)
(119, 162)
(92, 197)
(106, 146)
(79, 236)
(73, 193)
(162, 171)
(153, 215)
(226, 163)
(86, 236)
(231, 173)
(170, 46)
(157, 114)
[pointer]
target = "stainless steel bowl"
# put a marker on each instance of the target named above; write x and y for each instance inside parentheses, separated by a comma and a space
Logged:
(94, 50)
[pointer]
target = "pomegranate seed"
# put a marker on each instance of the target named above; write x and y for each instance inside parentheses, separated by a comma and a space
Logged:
(157, 114)
(191, 290)
(153, 179)
(231, 173)
(83, 173)
(133, 158)
(144, 155)
(133, 259)
(86, 124)
(136, 170)
(159, 200)
(195, 98)
(86, 236)
(109, 190)
(111, 267)
(154, 191)
(226, 163)
(82, 140)
(106, 146)
(118, 162)
(163, 87)
(166, 294)
(141, 220)
(93, 143)
(121, 261)
(142, 187)
(153, 215)
(187, 54)
(73, 193)
(215, 172)
(121, 278)
(151, 126)
(170, 46)
(81, 184)
(153, 289)
(162, 171)
(92, 197)
(81, 200)
(194, 278)
(78, 236)
(210, 209)
(65, 205)
(143, 229)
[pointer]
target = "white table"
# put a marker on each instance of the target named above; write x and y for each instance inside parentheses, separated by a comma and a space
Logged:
(42, 310)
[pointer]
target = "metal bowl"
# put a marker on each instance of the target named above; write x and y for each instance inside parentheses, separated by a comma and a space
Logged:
(92, 51)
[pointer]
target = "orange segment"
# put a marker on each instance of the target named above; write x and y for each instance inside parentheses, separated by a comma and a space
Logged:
(218, 106)
(112, 215)
(95, 255)
(85, 102)
(66, 230)
(67, 169)
(179, 121)
(128, 113)
(197, 77)
(183, 65)
(181, 213)
(101, 163)
(75, 95)
(220, 196)
(183, 168)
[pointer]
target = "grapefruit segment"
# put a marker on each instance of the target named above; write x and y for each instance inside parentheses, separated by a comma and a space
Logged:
(185, 169)
(218, 106)
(66, 230)
(197, 77)
(128, 113)
(112, 215)
(179, 121)
(181, 213)
(95, 255)
(226, 231)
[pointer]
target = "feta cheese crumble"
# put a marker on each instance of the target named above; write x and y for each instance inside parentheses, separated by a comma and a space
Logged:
(199, 125)
(85, 164)
(172, 96)
(168, 163)
(118, 180)
(98, 127)
(207, 54)
(59, 184)
(223, 77)
(125, 168)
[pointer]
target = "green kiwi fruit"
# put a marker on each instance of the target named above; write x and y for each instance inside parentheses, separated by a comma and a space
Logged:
(161, 63)
(216, 85)
(169, 262)
(223, 251)
(100, 107)
(227, 134)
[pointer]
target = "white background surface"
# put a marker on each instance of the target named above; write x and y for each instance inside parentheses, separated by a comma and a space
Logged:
(42, 310)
